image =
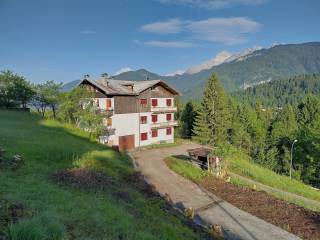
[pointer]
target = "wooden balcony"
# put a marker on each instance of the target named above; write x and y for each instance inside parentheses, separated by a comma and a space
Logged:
(165, 109)
(164, 124)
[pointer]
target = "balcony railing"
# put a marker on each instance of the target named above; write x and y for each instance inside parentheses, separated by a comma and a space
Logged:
(164, 124)
(163, 109)
(106, 111)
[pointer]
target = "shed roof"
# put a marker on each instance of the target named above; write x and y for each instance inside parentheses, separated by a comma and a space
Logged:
(201, 151)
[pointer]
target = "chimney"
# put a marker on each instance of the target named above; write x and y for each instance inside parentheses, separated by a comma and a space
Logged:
(104, 79)
(86, 76)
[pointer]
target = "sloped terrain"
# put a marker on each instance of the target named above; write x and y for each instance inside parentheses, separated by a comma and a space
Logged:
(70, 187)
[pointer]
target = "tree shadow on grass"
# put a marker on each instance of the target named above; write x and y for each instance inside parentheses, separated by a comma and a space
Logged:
(182, 157)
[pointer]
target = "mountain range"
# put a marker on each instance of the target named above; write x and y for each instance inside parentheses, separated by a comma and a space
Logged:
(242, 70)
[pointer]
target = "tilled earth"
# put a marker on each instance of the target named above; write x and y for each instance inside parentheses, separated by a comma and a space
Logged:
(297, 220)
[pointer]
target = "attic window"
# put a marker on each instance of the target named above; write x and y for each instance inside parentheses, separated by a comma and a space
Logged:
(129, 86)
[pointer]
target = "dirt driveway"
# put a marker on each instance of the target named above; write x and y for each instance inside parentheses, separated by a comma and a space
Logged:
(209, 209)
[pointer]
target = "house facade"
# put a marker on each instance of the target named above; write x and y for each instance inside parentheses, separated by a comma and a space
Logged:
(141, 112)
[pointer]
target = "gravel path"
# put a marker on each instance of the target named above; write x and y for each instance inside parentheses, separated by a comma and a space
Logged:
(236, 223)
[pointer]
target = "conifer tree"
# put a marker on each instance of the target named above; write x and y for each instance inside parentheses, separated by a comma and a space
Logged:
(213, 118)
(188, 116)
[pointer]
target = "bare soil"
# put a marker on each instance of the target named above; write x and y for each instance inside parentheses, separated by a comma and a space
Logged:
(295, 219)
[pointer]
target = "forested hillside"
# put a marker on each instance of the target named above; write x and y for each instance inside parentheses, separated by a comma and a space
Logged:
(265, 134)
(282, 92)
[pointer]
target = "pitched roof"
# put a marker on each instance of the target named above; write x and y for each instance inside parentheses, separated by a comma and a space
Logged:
(123, 87)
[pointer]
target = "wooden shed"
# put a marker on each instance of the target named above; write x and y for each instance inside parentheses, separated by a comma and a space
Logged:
(204, 158)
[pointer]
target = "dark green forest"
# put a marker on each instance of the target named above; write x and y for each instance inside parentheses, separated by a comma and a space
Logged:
(281, 92)
(266, 134)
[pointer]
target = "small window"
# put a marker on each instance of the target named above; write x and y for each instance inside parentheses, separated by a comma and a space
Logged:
(143, 102)
(169, 131)
(143, 119)
(169, 117)
(169, 102)
(154, 102)
(98, 103)
(144, 136)
(154, 118)
(154, 133)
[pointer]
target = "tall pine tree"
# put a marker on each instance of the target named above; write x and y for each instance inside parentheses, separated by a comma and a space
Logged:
(213, 119)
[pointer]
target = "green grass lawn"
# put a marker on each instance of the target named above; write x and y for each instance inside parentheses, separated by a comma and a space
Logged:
(241, 164)
(63, 212)
(250, 170)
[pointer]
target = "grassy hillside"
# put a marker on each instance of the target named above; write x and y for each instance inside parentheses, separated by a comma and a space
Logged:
(240, 164)
(120, 210)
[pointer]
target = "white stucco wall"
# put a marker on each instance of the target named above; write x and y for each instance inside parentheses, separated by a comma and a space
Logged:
(129, 124)
(125, 124)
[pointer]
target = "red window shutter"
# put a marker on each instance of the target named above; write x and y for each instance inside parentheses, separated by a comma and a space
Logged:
(154, 133)
(143, 119)
(143, 101)
(154, 102)
(144, 136)
(169, 102)
(108, 103)
(154, 118)
(169, 130)
(168, 117)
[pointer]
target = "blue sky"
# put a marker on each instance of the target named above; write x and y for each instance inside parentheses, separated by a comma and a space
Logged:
(63, 40)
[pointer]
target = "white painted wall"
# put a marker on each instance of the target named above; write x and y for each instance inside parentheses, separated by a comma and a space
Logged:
(129, 124)
(125, 124)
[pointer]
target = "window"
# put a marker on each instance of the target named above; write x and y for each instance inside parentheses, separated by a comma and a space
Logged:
(143, 102)
(169, 131)
(98, 103)
(144, 136)
(154, 133)
(109, 122)
(169, 102)
(168, 117)
(143, 119)
(154, 102)
(154, 118)
(108, 103)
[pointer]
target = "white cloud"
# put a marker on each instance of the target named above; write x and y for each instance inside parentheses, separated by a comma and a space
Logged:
(170, 44)
(213, 4)
(87, 32)
(228, 31)
(123, 70)
(165, 27)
